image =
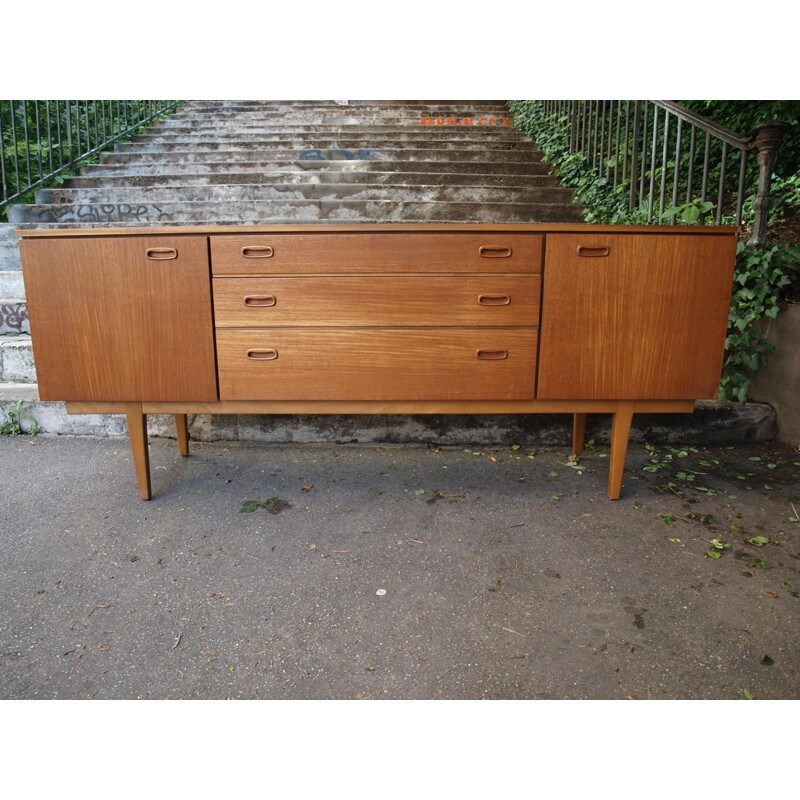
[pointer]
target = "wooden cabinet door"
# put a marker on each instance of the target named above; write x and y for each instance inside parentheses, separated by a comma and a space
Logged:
(634, 316)
(121, 318)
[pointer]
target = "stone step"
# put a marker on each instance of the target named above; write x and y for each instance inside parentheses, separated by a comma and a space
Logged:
(354, 107)
(256, 212)
(13, 308)
(321, 127)
(211, 223)
(12, 287)
(347, 177)
(305, 191)
(375, 126)
(288, 156)
(16, 359)
(7, 235)
(487, 126)
(10, 258)
(161, 144)
(241, 166)
(466, 109)
(232, 129)
(9, 255)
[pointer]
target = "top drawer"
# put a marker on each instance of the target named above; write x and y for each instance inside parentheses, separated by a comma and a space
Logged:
(384, 252)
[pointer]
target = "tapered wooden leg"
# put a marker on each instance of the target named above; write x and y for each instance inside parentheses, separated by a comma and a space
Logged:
(620, 433)
(182, 426)
(137, 429)
(578, 433)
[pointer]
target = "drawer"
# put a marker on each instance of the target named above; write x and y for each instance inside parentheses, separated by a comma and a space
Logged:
(401, 301)
(385, 252)
(383, 364)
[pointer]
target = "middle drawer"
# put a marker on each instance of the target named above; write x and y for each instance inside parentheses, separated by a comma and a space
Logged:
(411, 301)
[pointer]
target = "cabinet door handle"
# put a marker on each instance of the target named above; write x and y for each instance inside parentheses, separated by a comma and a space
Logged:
(267, 354)
(593, 252)
(260, 300)
(257, 251)
(161, 253)
(492, 355)
(494, 299)
(494, 251)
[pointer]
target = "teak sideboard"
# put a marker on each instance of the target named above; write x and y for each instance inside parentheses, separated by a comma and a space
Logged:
(379, 319)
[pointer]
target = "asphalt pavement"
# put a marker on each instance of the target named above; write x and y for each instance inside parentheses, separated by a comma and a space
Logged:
(398, 572)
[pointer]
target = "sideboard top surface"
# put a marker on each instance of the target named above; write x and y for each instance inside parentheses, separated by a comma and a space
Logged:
(313, 228)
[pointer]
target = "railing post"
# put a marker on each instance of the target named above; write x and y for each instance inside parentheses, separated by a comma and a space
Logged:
(765, 140)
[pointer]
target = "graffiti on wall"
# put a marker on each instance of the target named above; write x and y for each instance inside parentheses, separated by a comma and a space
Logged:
(338, 154)
(478, 122)
(103, 212)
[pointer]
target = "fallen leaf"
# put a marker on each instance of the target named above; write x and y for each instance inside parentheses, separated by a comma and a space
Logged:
(369, 669)
(770, 594)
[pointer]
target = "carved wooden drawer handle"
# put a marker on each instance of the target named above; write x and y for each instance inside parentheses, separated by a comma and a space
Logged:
(494, 299)
(492, 355)
(593, 252)
(267, 354)
(260, 300)
(258, 251)
(492, 251)
(161, 253)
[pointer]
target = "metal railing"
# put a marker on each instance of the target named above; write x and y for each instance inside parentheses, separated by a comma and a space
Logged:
(673, 161)
(39, 139)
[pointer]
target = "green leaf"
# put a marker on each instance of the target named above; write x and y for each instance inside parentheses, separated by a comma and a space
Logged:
(746, 694)
(249, 506)
(713, 554)
(720, 544)
(419, 491)
(759, 541)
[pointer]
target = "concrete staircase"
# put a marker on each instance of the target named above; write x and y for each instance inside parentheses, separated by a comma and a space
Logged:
(260, 162)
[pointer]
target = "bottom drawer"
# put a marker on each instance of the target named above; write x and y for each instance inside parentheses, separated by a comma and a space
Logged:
(377, 364)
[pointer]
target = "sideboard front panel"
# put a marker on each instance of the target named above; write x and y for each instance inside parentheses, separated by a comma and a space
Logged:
(634, 316)
(375, 253)
(377, 364)
(368, 300)
(121, 319)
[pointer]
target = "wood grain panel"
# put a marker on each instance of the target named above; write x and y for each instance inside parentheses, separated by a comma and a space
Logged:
(377, 364)
(376, 253)
(646, 321)
(377, 301)
(109, 323)
(391, 407)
